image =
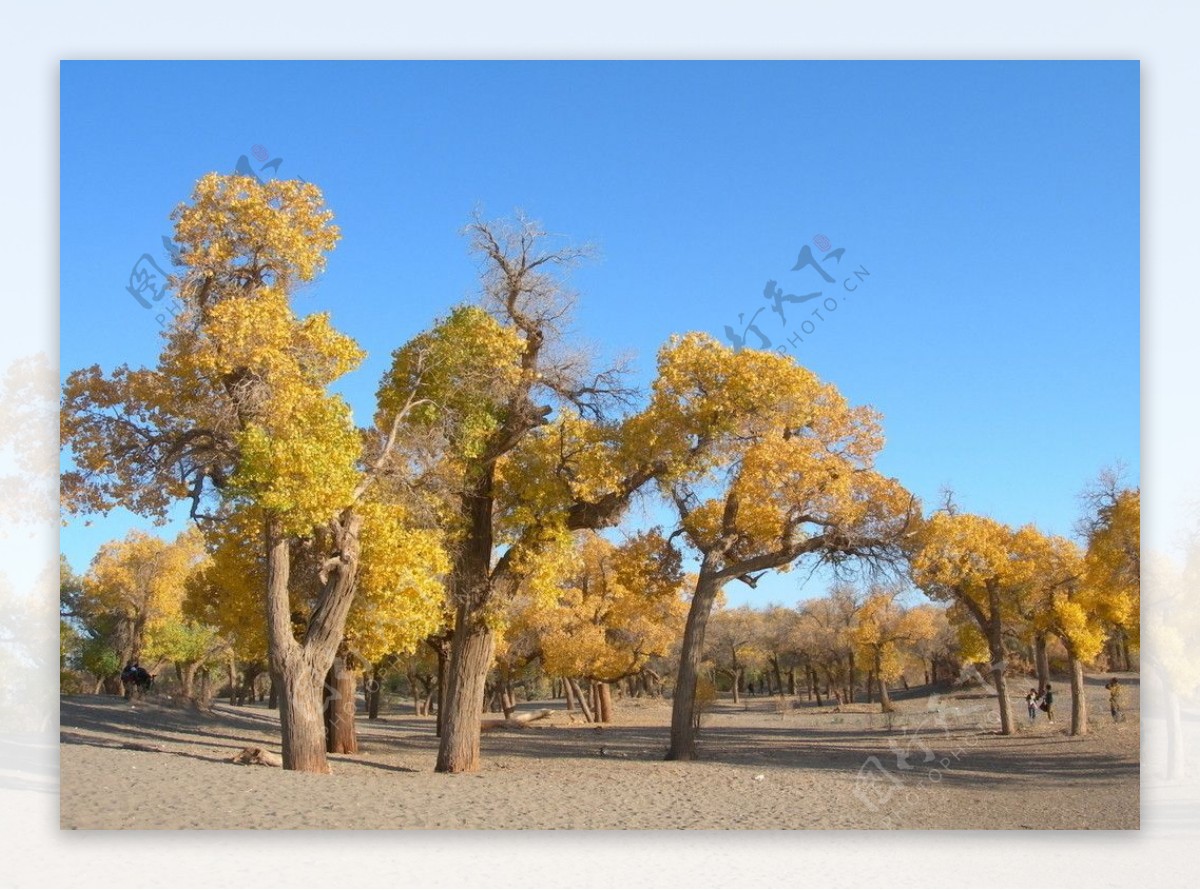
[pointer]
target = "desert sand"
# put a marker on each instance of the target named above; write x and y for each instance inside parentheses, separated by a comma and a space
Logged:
(766, 764)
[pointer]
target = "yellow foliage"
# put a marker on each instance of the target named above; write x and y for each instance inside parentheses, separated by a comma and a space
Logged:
(458, 377)
(767, 454)
(617, 607)
(1113, 561)
(229, 593)
(239, 396)
(254, 233)
(972, 647)
(143, 578)
(401, 598)
(883, 630)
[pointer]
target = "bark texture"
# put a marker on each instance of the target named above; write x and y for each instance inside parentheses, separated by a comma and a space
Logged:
(683, 706)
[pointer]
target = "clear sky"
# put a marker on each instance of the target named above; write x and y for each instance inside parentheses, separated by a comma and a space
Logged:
(995, 207)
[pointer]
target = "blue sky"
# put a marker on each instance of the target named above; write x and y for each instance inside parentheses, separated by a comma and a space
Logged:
(995, 206)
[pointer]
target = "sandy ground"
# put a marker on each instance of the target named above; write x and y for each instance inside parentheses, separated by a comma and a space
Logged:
(765, 765)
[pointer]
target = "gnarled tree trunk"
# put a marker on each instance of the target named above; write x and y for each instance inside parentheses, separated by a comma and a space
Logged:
(301, 720)
(298, 669)
(339, 695)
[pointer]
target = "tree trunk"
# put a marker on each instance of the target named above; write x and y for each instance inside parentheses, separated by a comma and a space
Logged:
(581, 700)
(373, 686)
(1006, 719)
(416, 693)
(996, 650)
(249, 683)
(338, 692)
(683, 706)
(187, 678)
(508, 699)
(570, 695)
(1079, 721)
(299, 669)
(273, 696)
(737, 682)
(852, 680)
(233, 686)
(604, 698)
(1042, 659)
(300, 713)
(870, 687)
(441, 647)
(885, 700)
(470, 659)
(791, 687)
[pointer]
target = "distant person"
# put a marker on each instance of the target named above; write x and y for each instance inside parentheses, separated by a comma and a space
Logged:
(750, 687)
(136, 678)
(1048, 703)
(1032, 701)
(1114, 698)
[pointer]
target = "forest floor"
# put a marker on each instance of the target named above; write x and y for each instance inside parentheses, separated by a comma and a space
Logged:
(766, 763)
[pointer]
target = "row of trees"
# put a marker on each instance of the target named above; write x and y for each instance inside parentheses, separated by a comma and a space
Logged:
(831, 647)
(613, 613)
(130, 606)
(465, 518)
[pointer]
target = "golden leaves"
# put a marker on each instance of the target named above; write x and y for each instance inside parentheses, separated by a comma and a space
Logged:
(238, 230)
(401, 598)
(458, 377)
(1029, 581)
(143, 578)
(602, 611)
(763, 456)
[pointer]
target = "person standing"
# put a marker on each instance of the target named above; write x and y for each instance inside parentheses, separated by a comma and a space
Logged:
(1032, 701)
(1048, 703)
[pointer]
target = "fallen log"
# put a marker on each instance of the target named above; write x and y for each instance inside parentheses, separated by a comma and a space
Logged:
(257, 757)
(516, 721)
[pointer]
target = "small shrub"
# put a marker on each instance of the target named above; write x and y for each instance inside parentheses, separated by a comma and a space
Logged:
(706, 696)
